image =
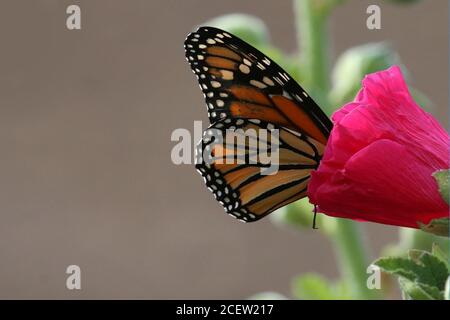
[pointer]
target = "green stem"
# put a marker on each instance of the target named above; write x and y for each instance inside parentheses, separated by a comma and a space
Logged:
(312, 38)
(352, 255)
(311, 23)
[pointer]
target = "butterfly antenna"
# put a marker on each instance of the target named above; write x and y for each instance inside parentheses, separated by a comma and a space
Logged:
(314, 218)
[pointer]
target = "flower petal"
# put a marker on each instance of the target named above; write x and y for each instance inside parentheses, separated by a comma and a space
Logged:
(380, 157)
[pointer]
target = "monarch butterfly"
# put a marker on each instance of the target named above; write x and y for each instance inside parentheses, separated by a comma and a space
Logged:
(244, 89)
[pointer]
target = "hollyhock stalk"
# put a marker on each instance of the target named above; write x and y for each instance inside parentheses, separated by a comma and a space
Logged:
(312, 35)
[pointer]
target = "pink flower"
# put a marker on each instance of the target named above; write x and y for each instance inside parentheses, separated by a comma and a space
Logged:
(380, 157)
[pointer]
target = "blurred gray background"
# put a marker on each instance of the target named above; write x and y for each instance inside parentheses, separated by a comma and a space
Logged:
(85, 169)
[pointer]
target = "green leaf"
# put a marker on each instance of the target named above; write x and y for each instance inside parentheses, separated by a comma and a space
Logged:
(421, 276)
(438, 253)
(442, 177)
(435, 272)
(312, 286)
(247, 27)
(422, 267)
(419, 291)
(398, 266)
(315, 287)
(438, 227)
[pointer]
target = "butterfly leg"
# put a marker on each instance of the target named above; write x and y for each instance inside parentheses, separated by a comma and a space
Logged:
(314, 218)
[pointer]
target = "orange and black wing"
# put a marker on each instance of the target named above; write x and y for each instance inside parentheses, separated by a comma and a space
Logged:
(240, 180)
(238, 81)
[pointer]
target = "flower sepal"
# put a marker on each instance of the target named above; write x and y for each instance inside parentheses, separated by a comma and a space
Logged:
(439, 227)
(442, 177)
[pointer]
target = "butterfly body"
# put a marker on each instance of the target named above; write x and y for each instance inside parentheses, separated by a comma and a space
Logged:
(246, 91)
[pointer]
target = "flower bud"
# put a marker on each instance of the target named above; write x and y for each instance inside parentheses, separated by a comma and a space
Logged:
(298, 214)
(354, 64)
(249, 28)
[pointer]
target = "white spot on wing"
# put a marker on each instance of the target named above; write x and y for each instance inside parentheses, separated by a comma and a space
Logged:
(257, 84)
(227, 74)
(244, 68)
(268, 81)
(215, 84)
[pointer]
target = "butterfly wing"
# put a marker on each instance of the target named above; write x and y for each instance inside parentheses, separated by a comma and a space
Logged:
(243, 187)
(238, 81)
